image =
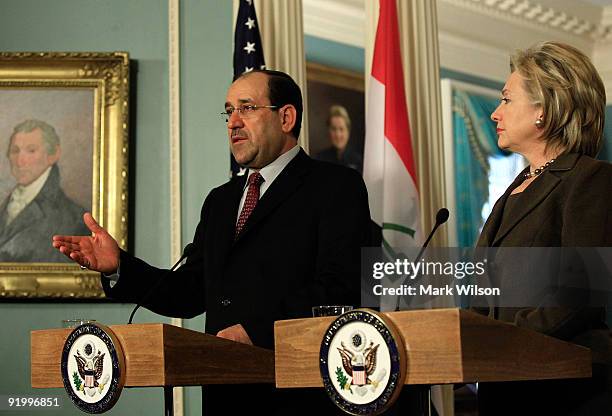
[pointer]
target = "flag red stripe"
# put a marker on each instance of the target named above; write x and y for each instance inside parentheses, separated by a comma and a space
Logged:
(387, 69)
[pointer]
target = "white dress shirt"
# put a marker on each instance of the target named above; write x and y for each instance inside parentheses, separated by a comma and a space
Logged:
(269, 174)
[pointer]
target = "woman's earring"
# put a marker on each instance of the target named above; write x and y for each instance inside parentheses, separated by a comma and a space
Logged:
(539, 123)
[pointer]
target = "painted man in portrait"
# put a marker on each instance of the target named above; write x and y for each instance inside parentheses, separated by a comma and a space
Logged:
(37, 208)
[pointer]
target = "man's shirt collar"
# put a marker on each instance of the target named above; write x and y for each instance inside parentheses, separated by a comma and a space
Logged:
(271, 171)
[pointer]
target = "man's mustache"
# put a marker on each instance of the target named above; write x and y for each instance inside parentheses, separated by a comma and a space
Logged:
(239, 133)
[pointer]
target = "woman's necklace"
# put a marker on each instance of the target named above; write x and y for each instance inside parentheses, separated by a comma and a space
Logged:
(538, 170)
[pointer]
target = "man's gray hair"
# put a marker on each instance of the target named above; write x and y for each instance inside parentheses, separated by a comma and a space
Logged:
(49, 135)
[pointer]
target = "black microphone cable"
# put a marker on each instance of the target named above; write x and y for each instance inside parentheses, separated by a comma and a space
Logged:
(441, 217)
(187, 251)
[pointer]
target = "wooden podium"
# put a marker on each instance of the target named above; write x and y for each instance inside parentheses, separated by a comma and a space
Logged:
(443, 346)
(160, 355)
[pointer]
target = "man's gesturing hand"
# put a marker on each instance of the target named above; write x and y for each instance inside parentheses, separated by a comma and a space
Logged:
(99, 252)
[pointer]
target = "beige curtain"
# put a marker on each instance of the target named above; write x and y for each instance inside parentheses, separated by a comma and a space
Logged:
(282, 33)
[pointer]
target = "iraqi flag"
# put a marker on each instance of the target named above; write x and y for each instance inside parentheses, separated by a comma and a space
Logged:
(389, 169)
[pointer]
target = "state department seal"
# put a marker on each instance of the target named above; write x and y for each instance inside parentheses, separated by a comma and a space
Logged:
(93, 368)
(362, 362)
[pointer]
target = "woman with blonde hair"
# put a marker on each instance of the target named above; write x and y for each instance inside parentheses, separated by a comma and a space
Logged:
(339, 130)
(552, 112)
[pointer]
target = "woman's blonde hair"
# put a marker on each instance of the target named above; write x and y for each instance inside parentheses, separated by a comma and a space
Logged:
(339, 111)
(564, 82)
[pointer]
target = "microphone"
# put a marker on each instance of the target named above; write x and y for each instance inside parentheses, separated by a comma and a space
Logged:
(187, 251)
(441, 217)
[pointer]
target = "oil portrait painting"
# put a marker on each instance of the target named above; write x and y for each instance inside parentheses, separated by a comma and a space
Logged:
(63, 152)
(46, 141)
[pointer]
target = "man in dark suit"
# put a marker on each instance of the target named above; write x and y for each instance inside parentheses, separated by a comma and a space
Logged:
(270, 245)
(37, 207)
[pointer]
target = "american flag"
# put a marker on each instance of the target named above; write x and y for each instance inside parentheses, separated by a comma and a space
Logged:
(248, 50)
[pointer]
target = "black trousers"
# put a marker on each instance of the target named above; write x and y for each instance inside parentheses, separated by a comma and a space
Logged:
(247, 399)
(572, 397)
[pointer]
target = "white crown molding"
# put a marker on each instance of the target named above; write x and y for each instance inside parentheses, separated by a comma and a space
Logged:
(473, 57)
(343, 20)
(572, 18)
(338, 20)
(466, 50)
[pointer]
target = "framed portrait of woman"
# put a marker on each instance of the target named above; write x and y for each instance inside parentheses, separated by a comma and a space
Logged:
(336, 114)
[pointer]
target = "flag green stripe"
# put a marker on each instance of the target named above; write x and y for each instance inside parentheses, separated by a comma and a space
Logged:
(398, 227)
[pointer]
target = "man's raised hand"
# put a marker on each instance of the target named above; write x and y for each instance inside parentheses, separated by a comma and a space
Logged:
(99, 252)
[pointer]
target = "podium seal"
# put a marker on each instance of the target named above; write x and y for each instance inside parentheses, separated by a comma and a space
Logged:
(93, 368)
(362, 362)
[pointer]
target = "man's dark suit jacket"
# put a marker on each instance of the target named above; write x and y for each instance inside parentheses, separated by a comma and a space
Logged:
(299, 248)
(568, 205)
(28, 237)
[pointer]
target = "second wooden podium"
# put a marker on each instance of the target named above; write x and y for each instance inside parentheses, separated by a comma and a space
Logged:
(442, 346)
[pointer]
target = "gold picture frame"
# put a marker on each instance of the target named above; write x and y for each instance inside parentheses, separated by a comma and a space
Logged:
(329, 86)
(84, 97)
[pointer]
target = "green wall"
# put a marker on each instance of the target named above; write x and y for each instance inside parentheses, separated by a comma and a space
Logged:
(206, 72)
(334, 54)
(140, 28)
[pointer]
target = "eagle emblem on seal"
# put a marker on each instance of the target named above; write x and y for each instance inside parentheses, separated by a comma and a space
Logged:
(358, 361)
(90, 365)
(362, 361)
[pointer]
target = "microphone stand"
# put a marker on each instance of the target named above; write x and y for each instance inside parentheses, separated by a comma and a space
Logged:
(441, 218)
(419, 400)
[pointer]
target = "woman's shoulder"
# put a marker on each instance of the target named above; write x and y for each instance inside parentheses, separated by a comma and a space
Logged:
(589, 161)
(586, 166)
(589, 178)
